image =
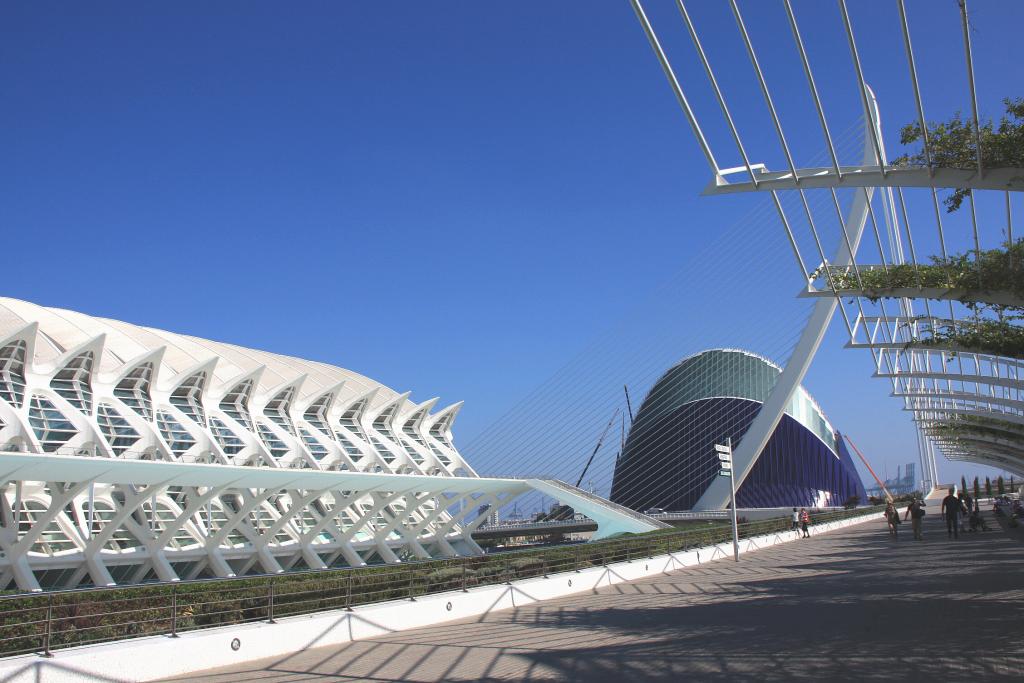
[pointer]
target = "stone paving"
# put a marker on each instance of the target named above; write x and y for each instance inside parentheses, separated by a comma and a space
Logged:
(849, 605)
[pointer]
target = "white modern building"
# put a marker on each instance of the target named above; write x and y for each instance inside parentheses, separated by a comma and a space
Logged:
(132, 454)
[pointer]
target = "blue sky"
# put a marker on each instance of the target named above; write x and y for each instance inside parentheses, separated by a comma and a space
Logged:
(452, 198)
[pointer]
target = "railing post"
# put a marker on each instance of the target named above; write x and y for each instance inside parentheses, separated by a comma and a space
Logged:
(270, 603)
(464, 588)
(577, 560)
(348, 592)
(174, 611)
(508, 570)
(412, 579)
(48, 629)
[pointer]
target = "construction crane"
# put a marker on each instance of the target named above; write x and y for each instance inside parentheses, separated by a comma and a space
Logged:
(565, 511)
(881, 485)
(597, 447)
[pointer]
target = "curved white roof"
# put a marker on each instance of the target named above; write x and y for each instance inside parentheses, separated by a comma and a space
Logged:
(61, 330)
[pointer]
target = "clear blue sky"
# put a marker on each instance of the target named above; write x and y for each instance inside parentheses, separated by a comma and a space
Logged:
(452, 198)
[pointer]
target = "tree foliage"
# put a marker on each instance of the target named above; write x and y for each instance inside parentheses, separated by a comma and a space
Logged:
(995, 337)
(974, 277)
(953, 145)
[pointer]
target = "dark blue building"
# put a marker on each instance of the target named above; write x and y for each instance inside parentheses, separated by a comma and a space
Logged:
(669, 460)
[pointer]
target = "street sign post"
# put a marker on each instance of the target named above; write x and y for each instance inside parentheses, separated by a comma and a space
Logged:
(724, 453)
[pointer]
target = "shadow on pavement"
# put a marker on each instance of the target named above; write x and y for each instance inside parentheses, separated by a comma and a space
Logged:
(851, 605)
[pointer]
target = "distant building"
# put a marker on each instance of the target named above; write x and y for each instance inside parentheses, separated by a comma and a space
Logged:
(490, 515)
(905, 482)
(669, 461)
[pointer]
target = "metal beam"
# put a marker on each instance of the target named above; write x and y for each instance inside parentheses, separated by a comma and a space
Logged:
(1007, 179)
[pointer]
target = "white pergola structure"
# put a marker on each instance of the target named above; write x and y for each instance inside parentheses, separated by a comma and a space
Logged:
(966, 401)
(132, 454)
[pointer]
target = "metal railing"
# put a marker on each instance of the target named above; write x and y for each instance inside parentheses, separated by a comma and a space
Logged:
(43, 622)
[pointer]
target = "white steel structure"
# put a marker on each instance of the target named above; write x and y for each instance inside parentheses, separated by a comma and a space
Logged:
(130, 454)
(966, 401)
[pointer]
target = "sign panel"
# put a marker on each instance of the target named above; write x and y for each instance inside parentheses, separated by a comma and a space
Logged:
(722, 449)
(724, 473)
(725, 457)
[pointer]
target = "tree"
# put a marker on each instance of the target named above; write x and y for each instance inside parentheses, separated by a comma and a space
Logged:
(977, 489)
(1012, 487)
(988, 487)
(1000, 487)
(953, 144)
(963, 484)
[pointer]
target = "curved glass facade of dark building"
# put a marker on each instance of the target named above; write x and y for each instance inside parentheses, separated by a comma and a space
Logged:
(669, 459)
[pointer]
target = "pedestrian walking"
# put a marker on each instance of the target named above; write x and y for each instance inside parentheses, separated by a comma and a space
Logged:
(796, 521)
(805, 520)
(892, 517)
(916, 514)
(964, 509)
(951, 509)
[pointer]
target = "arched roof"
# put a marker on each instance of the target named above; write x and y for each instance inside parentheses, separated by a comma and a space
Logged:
(61, 330)
(730, 373)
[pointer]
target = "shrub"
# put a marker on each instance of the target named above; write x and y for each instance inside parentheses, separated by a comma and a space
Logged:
(953, 144)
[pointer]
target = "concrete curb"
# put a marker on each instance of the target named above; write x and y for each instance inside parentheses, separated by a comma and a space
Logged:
(154, 657)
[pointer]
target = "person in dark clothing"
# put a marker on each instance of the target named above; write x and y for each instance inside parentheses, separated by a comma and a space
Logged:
(952, 508)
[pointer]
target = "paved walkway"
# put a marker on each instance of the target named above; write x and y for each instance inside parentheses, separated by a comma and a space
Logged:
(850, 605)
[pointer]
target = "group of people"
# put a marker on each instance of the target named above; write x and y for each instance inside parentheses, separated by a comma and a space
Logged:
(801, 520)
(1004, 505)
(956, 509)
(914, 512)
(960, 510)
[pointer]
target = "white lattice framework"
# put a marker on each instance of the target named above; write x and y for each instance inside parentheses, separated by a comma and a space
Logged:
(130, 454)
(936, 382)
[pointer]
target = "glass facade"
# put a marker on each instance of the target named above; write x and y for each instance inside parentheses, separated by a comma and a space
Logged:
(316, 414)
(72, 382)
(188, 398)
(317, 449)
(669, 459)
(278, 410)
(176, 436)
(277, 448)
(133, 390)
(235, 404)
(51, 426)
(116, 430)
(226, 439)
